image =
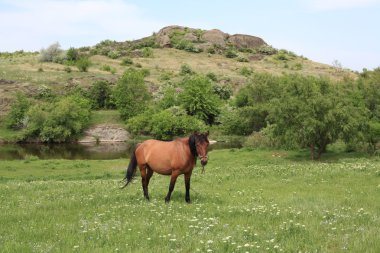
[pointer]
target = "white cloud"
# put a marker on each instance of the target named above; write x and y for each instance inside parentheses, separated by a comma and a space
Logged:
(339, 4)
(31, 25)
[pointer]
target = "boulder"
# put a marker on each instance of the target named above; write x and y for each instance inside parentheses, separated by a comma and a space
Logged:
(215, 36)
(246, 41)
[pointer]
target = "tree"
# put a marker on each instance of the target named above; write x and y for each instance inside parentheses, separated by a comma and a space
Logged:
(199, 100)
(313, 114)
(16, 117)
(131, 95)
(100, 95)
(52, 53)
(59, 121)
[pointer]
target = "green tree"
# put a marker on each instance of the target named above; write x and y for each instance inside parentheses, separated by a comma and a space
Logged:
(131, 95)
(199, 100)
(312, 113)
(16, 117)
(59, 121)
(100, 95)
(83, 64)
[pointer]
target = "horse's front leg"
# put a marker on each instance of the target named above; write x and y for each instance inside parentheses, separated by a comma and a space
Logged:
(187, 186)
(173, 179)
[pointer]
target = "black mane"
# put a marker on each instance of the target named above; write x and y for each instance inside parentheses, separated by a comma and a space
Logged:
(193, 149)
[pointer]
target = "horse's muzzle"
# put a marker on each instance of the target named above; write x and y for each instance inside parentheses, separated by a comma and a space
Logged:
(204, 162)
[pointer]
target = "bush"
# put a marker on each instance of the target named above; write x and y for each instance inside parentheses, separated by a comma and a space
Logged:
(245, 71)
(223, 91)
(83, 64)
(72, 54)
(16, 117)
(147, 52)
(60, 121)
(231, 53)
(186, 70)
(126, 62)
(131, 95)
(258, 140)
(164, 125)
(99, 95)
(113, 54)
(199, 100)
(242, 59)
(51, 54)
(266, 50)
(212, 76)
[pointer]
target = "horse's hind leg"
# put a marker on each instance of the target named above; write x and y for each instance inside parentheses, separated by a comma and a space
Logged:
(173, 179)
(144, 180)
(148, 176)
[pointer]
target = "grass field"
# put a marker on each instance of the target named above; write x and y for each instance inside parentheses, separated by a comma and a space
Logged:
(248, 201)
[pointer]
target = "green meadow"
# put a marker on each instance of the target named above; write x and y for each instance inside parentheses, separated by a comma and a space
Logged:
(247, 201)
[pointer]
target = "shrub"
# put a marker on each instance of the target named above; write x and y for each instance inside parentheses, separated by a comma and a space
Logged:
(212, 76)
(51, 54)
(242, 59)
(83, 64)
(223, 91)
(113, 54)
(72, 54)
(230, 53)
(59, 121)
(67, 69)
(185, 70)
(245, 71)
(147, 52)
(258, 140)
(16, 117)
(199, 100)
(106, 68)
(266, 50)
(131, 95)
(211, 50)
(126, 61)
(99, 95)
(165, 125)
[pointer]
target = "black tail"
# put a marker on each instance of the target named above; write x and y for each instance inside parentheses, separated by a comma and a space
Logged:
(131, 170)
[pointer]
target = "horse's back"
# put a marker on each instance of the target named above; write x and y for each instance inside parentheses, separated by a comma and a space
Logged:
(162, 156)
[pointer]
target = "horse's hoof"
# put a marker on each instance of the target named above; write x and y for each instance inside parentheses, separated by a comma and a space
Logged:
(167, 200)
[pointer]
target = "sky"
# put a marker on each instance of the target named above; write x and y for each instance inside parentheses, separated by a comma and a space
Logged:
(325, 31)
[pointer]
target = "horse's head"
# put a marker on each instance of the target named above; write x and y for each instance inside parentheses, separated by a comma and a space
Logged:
(198, 145)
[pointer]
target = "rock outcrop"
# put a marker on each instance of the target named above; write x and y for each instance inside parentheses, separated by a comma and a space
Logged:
(105, 133)
(206, 38)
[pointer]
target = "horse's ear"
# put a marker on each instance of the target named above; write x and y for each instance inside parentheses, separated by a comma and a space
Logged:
(207, 133)
(196, 133)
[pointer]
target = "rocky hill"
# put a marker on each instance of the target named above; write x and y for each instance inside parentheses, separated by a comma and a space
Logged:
(230, 59)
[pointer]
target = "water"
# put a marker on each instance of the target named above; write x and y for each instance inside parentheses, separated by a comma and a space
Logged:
(77, 151)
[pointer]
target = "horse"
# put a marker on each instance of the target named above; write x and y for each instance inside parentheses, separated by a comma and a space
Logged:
(168, 158)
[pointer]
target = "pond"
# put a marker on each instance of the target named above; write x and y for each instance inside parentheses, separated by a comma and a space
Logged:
(78, 151)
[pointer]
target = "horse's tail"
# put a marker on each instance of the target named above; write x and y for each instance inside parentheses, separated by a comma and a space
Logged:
(131, 169)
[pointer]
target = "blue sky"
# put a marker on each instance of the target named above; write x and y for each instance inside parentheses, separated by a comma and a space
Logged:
(322, 30)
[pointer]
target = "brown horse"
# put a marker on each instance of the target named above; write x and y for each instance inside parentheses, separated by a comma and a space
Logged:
(168, 158)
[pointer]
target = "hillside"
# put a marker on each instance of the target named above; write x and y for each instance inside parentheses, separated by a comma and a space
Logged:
(231, 58)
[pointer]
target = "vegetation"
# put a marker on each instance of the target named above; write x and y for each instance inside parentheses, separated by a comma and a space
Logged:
(237, 206)
(131, 95)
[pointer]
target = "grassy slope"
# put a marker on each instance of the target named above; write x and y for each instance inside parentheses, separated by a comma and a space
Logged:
(255, 201)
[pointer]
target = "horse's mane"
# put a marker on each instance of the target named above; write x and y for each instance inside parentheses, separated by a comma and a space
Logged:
(193, 148)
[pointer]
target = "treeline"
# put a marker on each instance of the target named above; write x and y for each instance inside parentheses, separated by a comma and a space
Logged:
(289, 111)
